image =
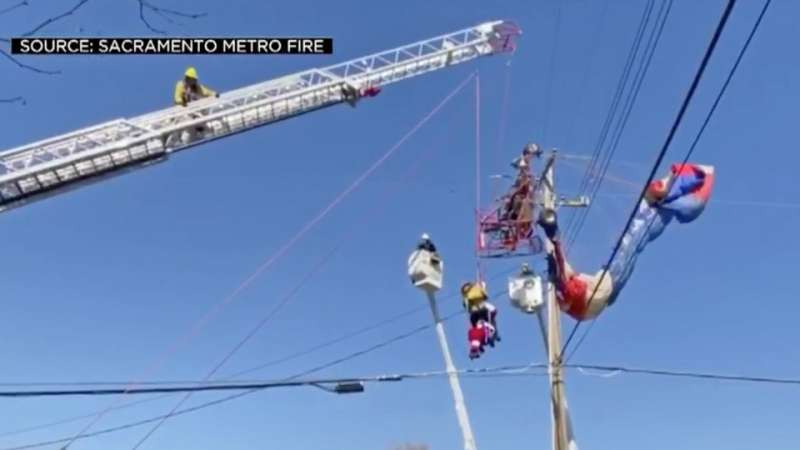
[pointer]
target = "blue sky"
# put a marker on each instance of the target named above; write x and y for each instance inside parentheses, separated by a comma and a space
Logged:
(99, 281)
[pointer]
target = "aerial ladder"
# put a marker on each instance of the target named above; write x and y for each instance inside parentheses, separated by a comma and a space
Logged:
(62, 163)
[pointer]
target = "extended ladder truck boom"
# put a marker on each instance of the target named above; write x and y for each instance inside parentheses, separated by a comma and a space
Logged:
(52, 166)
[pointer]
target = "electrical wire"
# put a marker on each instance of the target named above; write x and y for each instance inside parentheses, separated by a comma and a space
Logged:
(259, 367)
(717, 201)
(352, 231)
(702, 129)
(585, 182)
(288, 245)
(616, 134)
(595, 41)
(686, 374)
(263, 366)
(728, 80)
(497, 372)
(638, 79)
(202, 386)
(335, 362)
(678, 119)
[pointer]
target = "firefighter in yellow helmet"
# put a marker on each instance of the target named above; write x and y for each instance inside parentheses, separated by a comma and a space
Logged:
(473, 294)
(189, 89)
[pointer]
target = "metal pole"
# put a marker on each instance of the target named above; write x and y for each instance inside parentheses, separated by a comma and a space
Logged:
(452, 376)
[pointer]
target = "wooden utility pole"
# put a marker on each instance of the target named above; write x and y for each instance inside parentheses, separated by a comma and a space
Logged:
(561, 427)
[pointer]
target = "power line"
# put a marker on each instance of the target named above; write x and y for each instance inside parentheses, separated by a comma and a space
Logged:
(496, 372)
(237, 395)
(171, 389)
(271, 363)
(728, 79)
(211, 314)
(252, 333)
(698, 375)
(329, 364)
(202, 386)
(678, 119)
(329, 255)
(612, 109)
(702, 129)
(595, 45)
(260, 367)
(628, 183)
(598, 172)
(638, 79)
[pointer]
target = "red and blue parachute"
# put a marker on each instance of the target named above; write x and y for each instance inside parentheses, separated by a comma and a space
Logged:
(682, 195)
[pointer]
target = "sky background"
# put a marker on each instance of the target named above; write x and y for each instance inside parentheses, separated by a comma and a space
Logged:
(98, 282)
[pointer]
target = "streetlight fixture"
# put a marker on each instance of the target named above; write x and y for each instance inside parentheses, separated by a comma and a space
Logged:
(342, 388)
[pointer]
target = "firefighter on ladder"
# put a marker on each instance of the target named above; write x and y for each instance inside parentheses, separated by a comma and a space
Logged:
(188, 90)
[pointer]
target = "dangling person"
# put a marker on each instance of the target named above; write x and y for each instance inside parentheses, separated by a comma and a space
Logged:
(486, 312)
(477, 337)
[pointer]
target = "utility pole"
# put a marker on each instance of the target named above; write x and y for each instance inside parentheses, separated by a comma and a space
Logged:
(560, 417)
(426, 269)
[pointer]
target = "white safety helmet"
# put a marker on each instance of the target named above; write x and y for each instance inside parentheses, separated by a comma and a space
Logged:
(531, 148)
(425, 237)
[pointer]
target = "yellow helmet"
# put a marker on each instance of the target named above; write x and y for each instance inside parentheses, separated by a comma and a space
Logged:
(191, 73)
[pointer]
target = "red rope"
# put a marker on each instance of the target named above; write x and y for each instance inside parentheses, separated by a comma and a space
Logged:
(200, 324)
(479, 266)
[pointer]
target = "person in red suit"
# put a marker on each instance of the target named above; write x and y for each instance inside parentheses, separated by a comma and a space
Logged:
(477, 337)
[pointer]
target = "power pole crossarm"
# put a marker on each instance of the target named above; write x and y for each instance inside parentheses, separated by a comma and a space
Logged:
(58, 164)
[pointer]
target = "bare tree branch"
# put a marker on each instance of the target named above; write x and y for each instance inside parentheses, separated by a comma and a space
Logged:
(144, 5)
(53, 19)
(26, 66)
(35, 30)
(144, 19)
(172, 12)
(167, 18)
(17, 99)
(164, 13)
(13, 7)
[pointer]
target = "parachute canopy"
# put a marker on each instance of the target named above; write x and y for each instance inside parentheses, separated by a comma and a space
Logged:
(681, 195)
